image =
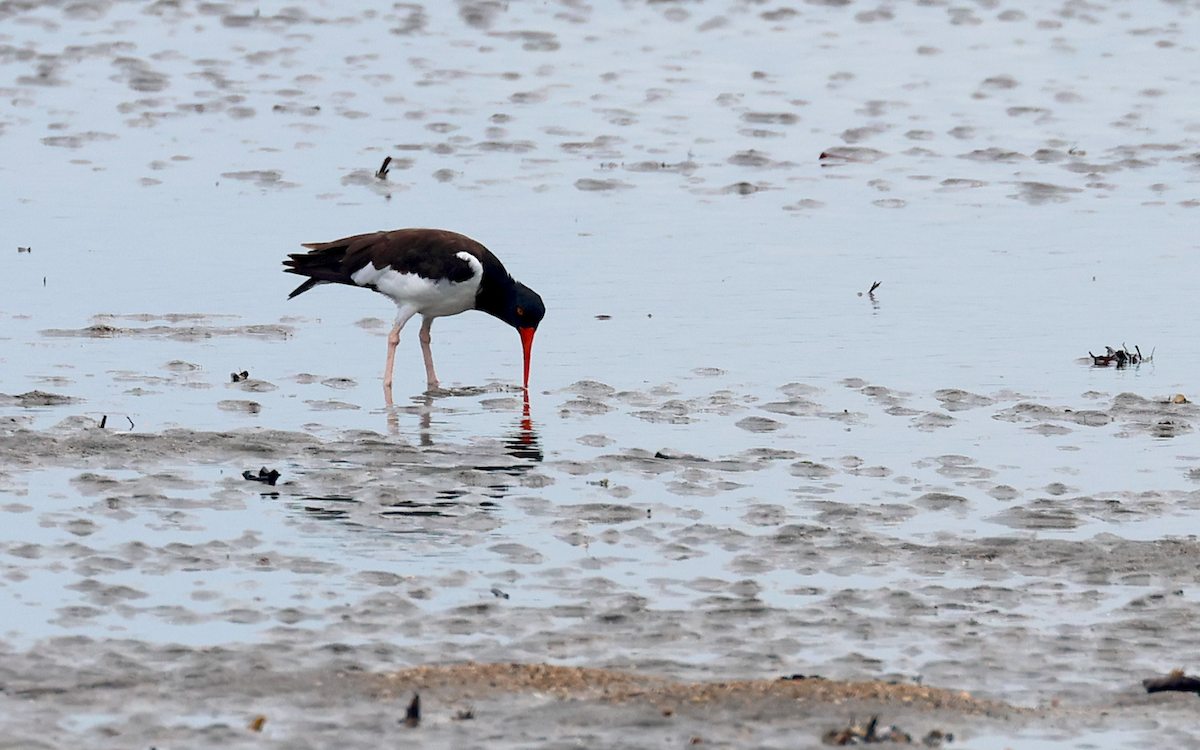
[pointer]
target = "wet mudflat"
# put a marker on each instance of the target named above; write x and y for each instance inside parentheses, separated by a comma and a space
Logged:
(147, 554)
(735, 465)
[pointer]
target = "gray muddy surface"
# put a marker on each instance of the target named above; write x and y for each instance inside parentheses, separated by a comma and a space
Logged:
(175, 582)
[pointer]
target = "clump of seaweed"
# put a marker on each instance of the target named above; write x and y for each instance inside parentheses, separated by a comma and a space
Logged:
(1122, 357)
(869, 734)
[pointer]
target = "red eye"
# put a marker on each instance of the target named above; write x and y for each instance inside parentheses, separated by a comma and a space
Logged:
(521, 312)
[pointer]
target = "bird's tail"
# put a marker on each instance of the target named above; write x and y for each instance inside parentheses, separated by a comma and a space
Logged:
(323, 264)
(305, 287)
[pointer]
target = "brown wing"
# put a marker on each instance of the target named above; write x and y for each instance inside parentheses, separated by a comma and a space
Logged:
(429, 253)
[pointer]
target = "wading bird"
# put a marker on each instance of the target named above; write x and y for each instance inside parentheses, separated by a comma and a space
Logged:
(432, 272)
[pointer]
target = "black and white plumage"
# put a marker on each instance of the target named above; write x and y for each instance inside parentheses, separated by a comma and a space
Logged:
(431, 272)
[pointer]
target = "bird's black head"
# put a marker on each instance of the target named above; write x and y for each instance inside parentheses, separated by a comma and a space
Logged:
(512, 302)
(515, 304)
(526, 308)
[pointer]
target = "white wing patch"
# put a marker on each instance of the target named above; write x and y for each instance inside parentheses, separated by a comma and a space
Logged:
(430, 298)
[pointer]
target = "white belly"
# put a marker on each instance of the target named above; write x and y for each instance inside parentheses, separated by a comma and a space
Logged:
(427, 297)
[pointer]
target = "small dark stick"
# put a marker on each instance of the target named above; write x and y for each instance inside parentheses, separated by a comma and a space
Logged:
(412, 717)
(103, 421)
(874, 286)
(130, 422)
(383, 170)
(870, 736)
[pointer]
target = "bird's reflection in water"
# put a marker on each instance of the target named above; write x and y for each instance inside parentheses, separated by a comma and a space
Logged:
(524, 443)
(404, 511)
(423, 408)
(425, 411)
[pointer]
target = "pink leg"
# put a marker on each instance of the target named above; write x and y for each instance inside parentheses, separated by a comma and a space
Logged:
(393, 342)
(425, 337)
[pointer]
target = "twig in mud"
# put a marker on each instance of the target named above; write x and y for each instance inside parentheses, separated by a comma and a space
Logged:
(1176, 681)
(264, 476)
(412, 716)
(383, 170)
(103, 421)
(871, 291)
(130, 423)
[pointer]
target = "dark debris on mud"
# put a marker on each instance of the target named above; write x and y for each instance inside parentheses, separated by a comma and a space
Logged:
(1176, 681)
(1122, 357)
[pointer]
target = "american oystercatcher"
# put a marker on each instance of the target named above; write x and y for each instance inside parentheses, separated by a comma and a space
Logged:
(428, 271)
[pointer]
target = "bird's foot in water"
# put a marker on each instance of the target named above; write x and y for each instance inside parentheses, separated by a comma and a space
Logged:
(435, 389)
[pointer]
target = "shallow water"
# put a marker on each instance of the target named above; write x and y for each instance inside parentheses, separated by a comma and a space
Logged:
(749, 467)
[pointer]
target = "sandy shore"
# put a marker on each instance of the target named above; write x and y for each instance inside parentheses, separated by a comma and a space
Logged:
(245, 697)
(231, 698)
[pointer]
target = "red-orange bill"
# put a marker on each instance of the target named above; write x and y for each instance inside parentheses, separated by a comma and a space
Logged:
(527, 344)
